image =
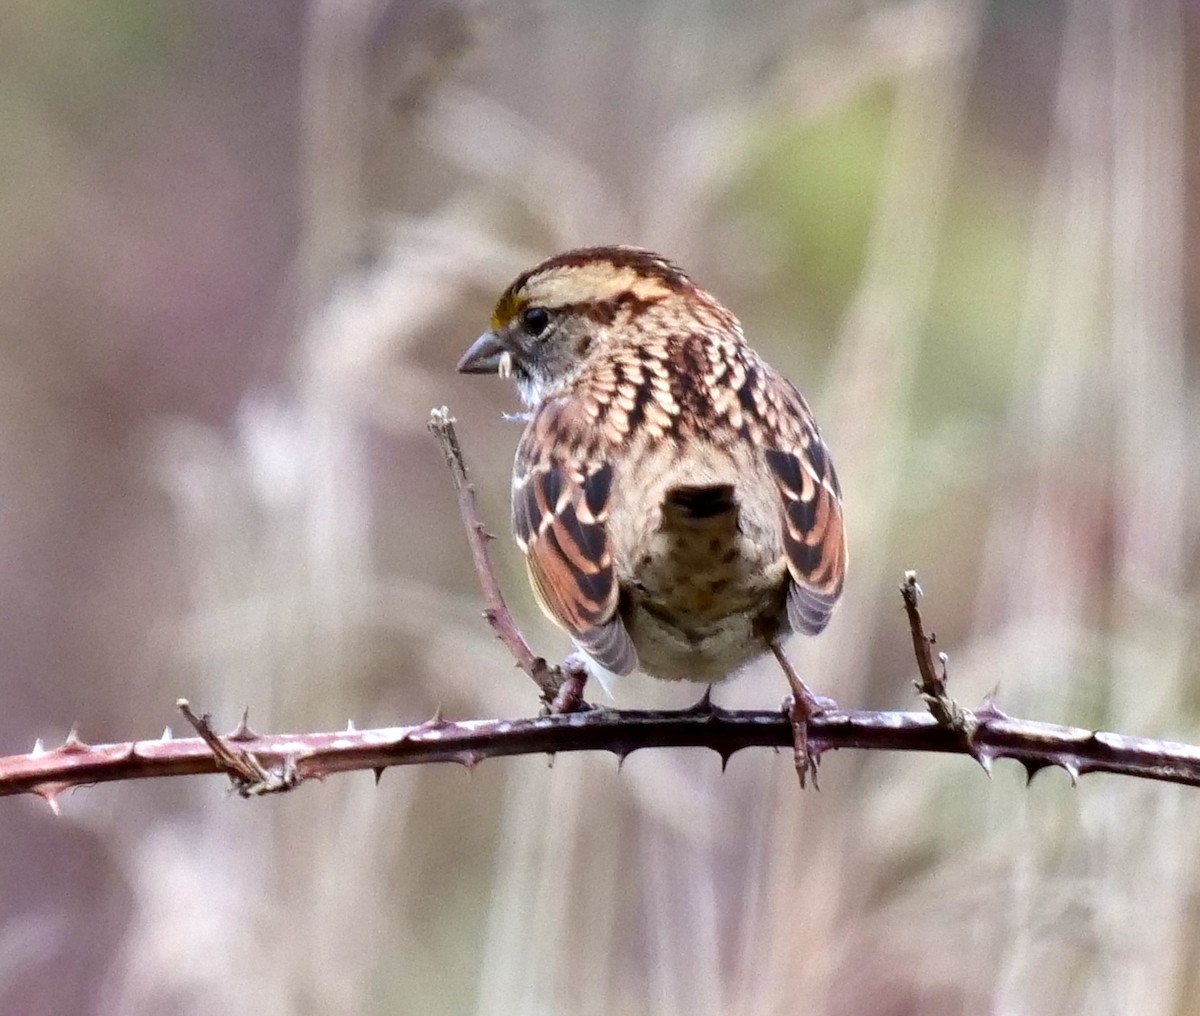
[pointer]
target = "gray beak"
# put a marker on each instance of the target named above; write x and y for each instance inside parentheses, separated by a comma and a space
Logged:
(487, 355)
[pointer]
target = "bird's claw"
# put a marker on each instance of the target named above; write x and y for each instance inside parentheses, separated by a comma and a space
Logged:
(800, 709)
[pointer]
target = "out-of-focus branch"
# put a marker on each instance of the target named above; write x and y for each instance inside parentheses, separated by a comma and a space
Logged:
(282, 761)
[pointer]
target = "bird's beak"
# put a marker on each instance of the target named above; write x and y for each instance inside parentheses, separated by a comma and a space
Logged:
(487, 355)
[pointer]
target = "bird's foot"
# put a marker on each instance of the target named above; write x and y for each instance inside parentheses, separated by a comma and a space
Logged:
(568, 695)
(800, 707)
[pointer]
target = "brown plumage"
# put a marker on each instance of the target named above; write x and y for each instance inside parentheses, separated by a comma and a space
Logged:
(677, 507)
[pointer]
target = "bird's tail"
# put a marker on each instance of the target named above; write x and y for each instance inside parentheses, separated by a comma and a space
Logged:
(707, 507)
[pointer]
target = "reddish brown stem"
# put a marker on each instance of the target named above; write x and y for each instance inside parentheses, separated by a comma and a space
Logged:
(547, 678)
(1035, 745)
(932, 685)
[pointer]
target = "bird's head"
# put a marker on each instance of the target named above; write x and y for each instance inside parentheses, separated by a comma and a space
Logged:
(557, 317)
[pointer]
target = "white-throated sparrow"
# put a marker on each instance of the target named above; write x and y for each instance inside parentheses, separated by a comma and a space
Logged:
(678, 510)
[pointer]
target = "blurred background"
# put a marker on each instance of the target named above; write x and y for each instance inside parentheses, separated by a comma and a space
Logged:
(241, 248)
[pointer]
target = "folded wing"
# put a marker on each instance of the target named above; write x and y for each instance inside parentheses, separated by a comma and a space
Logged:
(813, 535)
(560, 511)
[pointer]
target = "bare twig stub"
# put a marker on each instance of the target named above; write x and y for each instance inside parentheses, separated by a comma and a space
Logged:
(548, 679)
(932, 685)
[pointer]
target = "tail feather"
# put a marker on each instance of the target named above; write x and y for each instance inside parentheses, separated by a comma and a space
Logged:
(809, 610)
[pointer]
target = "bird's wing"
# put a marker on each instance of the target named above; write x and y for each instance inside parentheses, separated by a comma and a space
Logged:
(560, 507)
(814, 539)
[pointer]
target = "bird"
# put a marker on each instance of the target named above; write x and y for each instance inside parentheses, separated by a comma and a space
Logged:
(675, 502)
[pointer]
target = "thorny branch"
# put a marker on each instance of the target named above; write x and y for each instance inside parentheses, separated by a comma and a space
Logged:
(304, 756)
(258, 764)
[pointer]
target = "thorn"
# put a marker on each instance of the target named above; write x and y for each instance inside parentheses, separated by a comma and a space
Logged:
(49, 792)
(378, 774)
(242, 731)
(436, 719)
(622, 754)
(167, 734)
(73, 744)
(726, 754)
(39, 749)
(1032, 768)
(705, 706)
(989, 710)
(468, 759)
(1072, 770)
(350, 727)
(985, 757)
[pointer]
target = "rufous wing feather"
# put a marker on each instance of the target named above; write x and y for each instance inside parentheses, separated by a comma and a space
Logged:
(560, 513)
(814, 538)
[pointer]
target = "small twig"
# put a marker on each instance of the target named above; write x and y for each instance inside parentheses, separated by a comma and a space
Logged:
(550, 680)
(932, 685)
(248, 776)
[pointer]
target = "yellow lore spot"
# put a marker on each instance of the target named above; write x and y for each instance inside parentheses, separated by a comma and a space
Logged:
(509, 307)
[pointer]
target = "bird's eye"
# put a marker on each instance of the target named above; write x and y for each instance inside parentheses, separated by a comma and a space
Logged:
(536, 320)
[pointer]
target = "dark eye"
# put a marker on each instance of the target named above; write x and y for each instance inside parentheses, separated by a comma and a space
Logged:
(536, 320)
